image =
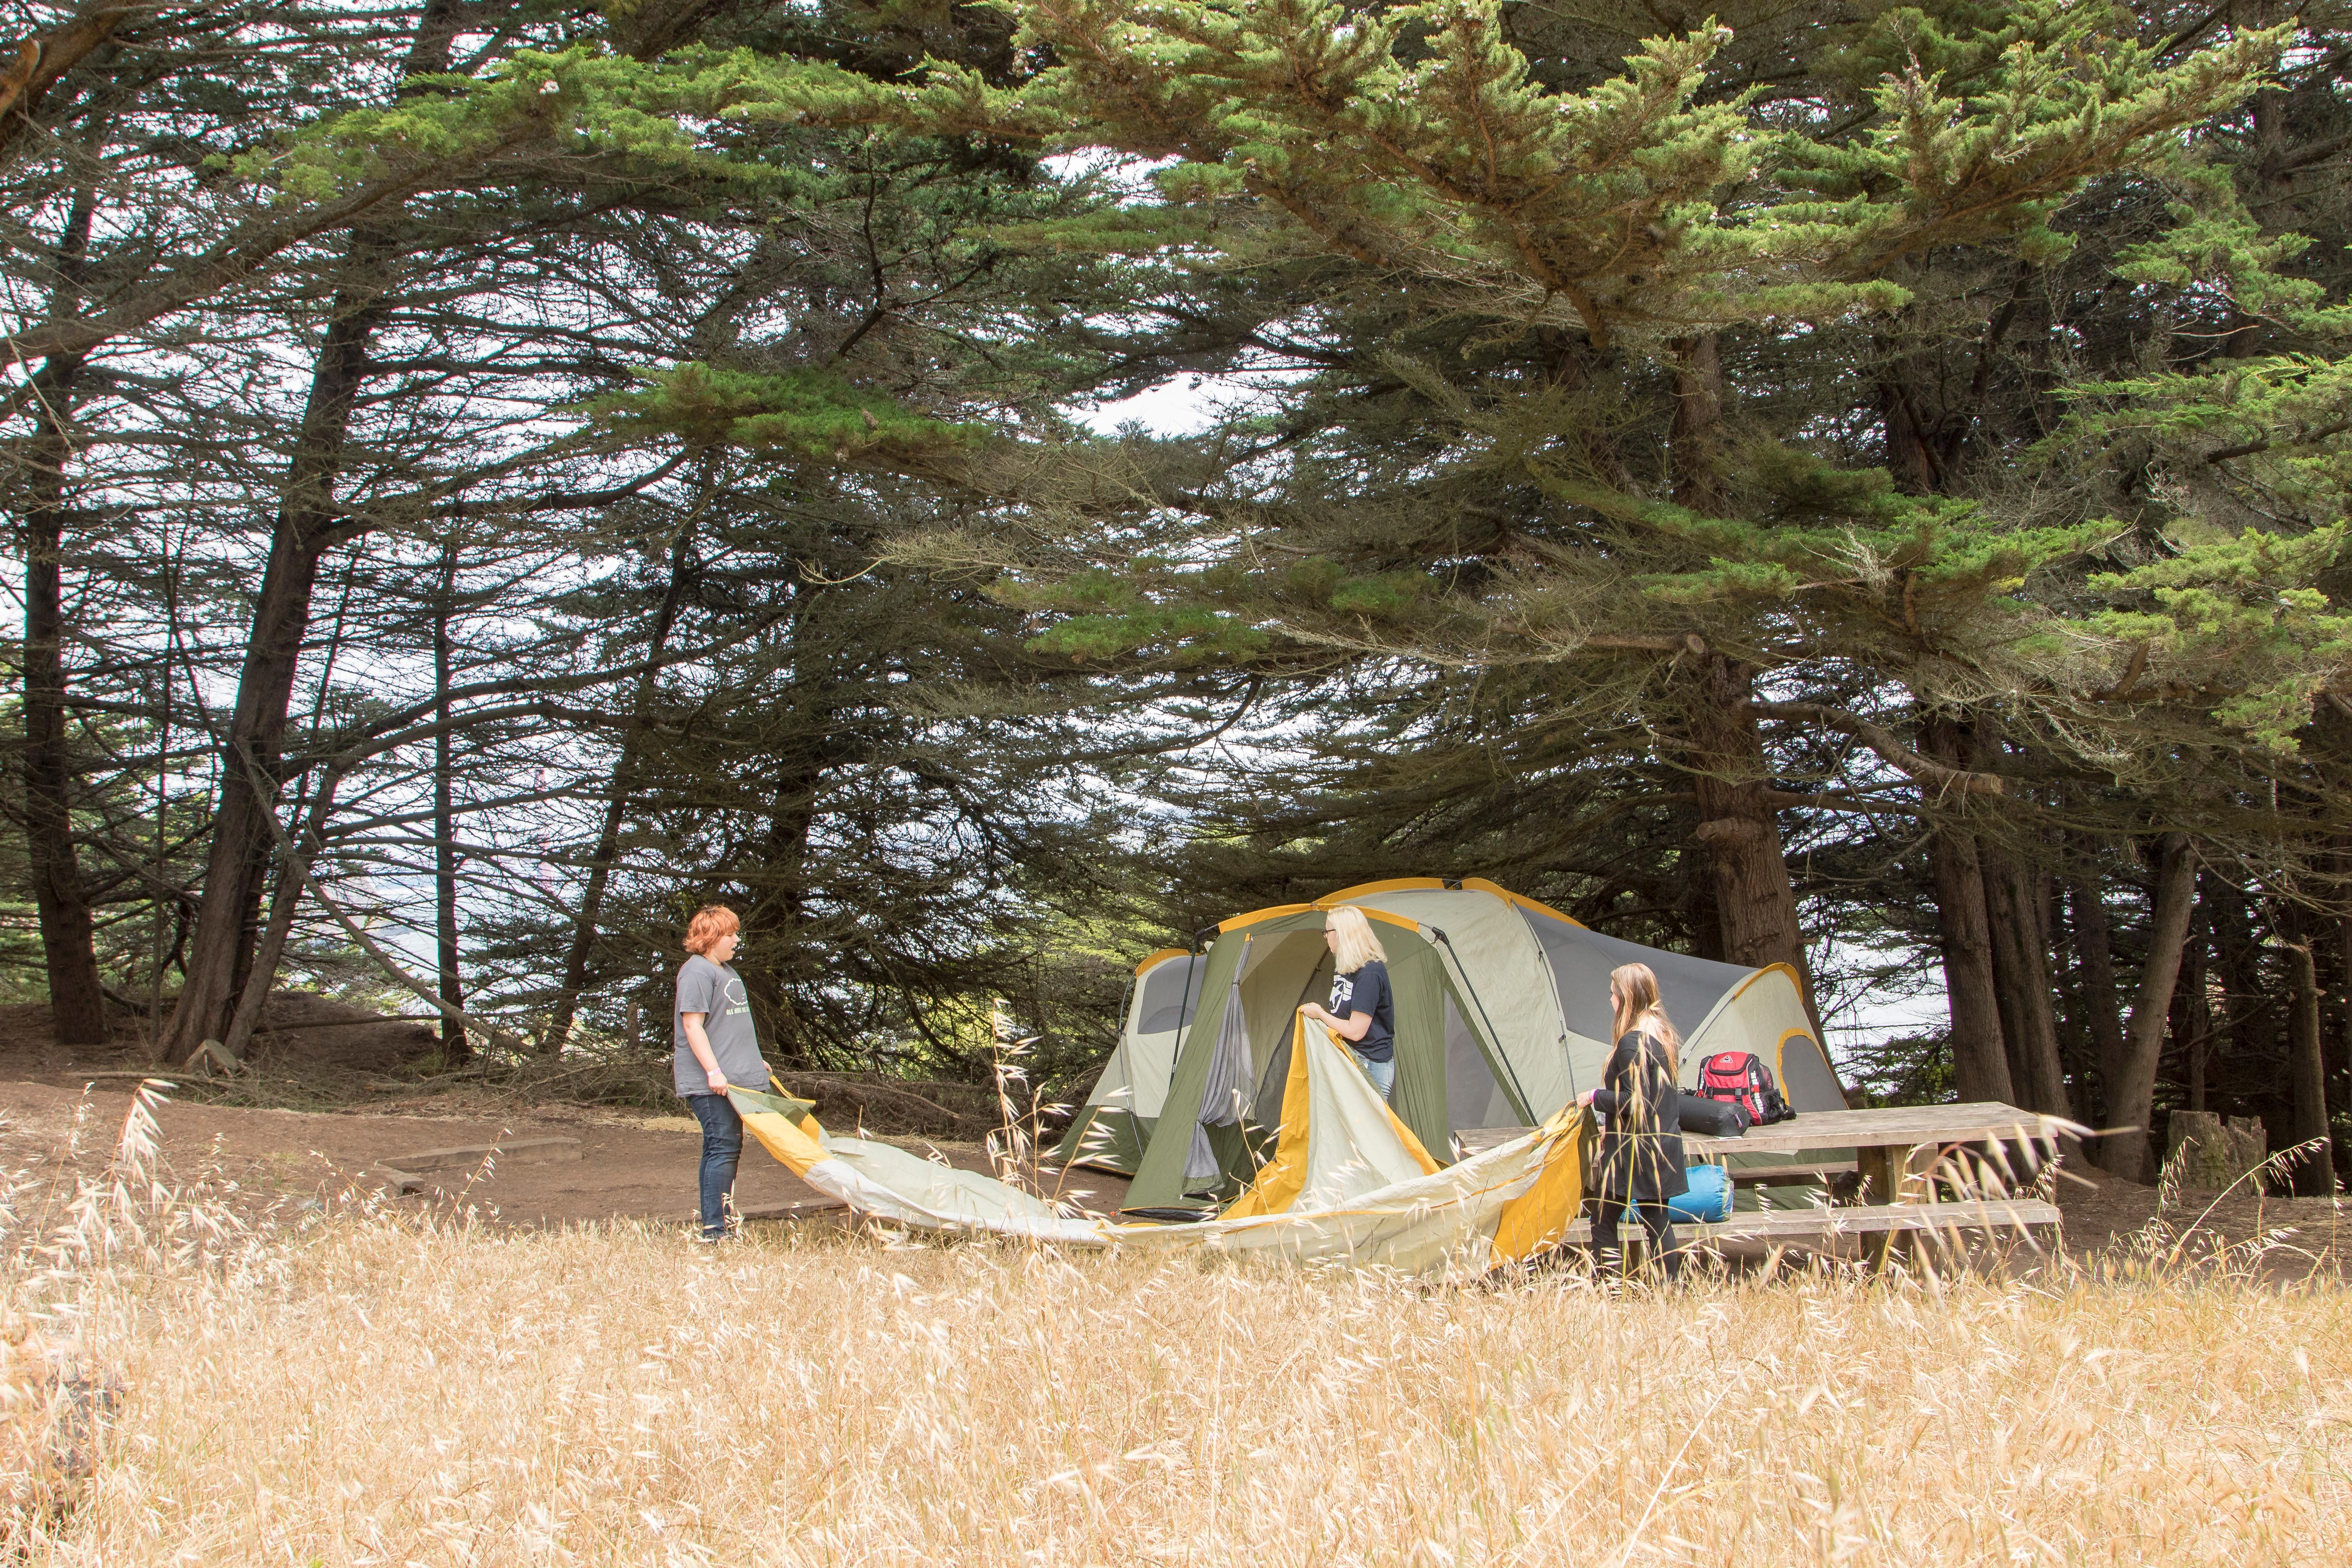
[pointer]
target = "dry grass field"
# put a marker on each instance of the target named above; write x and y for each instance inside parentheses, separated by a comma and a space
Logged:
(186, 1382)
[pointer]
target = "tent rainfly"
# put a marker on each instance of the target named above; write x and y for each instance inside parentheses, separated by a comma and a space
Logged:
(1348, 1185)
(1502, 1018)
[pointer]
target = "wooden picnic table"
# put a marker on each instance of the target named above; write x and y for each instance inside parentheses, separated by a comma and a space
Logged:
(1895, 1126)
(1900, 1152)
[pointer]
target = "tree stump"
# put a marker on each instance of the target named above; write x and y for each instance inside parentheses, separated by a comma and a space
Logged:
(2211, 1153)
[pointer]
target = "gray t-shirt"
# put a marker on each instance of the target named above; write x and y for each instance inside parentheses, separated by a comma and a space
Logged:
(716, 992)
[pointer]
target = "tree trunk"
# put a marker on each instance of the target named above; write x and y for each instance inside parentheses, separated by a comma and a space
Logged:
(308, 523)
(2193, 1022)
(292, 877)
(774, 926)
(2314, 1173)
(2022, 969)
(625, 770)
(2095, 946)
(1755, 906)
(1979, 1052)
(1695, 437)
(77, 1006)
(252, 761)
(455, 1045)
(1704, 921)
(1741, 828)
(2343, 928)
(2127, 1154)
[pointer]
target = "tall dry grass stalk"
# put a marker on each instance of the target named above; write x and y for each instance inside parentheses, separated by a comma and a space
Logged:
(364, 1390)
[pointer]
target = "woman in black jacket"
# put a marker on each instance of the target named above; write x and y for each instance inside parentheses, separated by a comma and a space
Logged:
(1640, 1160)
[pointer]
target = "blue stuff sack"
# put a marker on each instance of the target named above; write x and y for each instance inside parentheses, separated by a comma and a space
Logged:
(1708, 1201)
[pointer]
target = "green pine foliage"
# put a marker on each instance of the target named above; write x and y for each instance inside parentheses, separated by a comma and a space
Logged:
(1423, 180)
(809, 411)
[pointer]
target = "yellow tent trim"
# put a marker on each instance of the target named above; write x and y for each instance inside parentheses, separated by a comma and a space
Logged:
(1366, 890)
(1781, 1058)
(1480, 885)
(1780, 1050)
(1274, 912)
(1163, 956)
(1539, 1216)
(1257, 916)
(1790, 970)
(1278, 1184)
(798, 1151)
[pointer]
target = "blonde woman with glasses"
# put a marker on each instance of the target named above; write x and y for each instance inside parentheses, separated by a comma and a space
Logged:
(1640, 1160)
(1362, 1010)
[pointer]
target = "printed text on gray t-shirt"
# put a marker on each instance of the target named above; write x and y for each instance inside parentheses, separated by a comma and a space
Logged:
(717, 992)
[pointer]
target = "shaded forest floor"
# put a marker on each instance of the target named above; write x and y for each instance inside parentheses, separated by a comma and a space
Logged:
(338, 1096)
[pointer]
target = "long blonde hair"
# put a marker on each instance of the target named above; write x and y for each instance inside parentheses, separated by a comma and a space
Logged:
(1355, 946)
(1639, 1007)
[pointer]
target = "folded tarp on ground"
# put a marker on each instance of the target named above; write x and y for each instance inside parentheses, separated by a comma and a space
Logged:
(1348, 1183)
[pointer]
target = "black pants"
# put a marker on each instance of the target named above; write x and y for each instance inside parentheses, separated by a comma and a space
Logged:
(1656, 1219)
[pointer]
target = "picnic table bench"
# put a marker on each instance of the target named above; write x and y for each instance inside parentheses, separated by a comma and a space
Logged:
(1924, 1169)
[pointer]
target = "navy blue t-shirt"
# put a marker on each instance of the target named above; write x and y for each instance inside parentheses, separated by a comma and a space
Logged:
(1367, 991)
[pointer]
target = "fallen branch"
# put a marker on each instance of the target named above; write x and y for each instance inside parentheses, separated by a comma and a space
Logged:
(345, 1023)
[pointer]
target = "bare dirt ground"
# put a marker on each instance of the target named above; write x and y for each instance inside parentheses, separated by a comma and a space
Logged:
(2109, 1218)
(64, 1109)
(629, 1167)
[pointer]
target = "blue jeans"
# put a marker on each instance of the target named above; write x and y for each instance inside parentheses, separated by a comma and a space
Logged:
(1383, 1074)
(723, 1148)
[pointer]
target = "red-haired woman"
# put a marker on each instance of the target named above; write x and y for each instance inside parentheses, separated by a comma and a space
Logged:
(1641, 1159)
(716, 1048)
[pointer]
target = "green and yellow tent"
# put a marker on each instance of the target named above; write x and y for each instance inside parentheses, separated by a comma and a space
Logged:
(1502, 1018)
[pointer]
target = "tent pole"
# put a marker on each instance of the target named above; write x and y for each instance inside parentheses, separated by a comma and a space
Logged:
(1184, 1006)
(1126, 1000)
(1493, 1039)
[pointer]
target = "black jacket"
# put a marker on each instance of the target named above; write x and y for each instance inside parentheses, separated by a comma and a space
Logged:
(1640, 1158)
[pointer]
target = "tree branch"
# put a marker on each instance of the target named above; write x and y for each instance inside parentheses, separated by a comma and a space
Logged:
(2248, 449)
(297, 869)
(45, 57)
(1836, 800)
(1881, 740)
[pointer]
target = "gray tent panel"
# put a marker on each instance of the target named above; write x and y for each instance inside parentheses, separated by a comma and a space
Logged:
(1170, 997)
(1474, 1096)
(1274, 1072)
(1226, 1097)
(1582, 960)
(1806, 1078)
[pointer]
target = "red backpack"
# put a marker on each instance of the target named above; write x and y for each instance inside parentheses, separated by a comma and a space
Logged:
(1741, 1078)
